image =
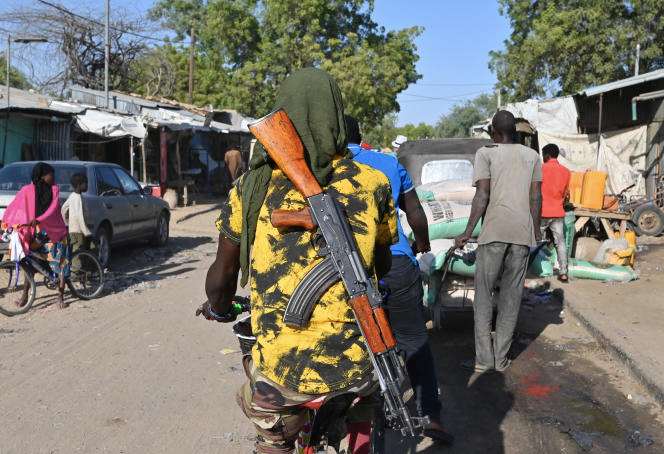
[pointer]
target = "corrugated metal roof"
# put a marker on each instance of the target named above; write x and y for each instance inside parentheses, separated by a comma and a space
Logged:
(650, 95)
(641, 78)
(117, 101)
(27, 100)
(171, 114)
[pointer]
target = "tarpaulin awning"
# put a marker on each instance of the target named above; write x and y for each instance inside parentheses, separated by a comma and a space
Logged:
(557, 115)
(109, 125)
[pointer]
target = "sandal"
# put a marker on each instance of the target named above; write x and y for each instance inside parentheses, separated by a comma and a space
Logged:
(438, 433)
(563, 278)
(22, 302)
(60, 304)
(471, 365)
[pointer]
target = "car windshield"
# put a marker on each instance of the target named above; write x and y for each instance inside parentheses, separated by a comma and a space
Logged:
(450, 169)
(13, 178)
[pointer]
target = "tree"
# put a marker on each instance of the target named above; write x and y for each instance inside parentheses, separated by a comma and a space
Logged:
(382, 134)
(562, 46)
(16, 78)
(421, 131)
(458, 122)
(247, 47)
(74, 53)
(155, 72)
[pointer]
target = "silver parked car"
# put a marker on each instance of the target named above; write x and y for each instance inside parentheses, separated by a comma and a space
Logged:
(116, 209)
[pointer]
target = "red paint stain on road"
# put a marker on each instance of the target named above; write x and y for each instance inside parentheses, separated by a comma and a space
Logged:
(538, 391)
(531, 379)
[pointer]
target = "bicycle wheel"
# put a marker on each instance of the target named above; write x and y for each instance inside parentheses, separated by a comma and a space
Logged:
(86, 277)
(13, 279)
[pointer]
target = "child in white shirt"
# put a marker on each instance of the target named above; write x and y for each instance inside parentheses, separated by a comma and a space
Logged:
(72, 212)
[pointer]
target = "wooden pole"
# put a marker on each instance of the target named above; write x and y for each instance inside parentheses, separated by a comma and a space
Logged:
(191, 65)
(131, 157)
(145, 161)
(659, 158)
(599, 127)
(177, 155)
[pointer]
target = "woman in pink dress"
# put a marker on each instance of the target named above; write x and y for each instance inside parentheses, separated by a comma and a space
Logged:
(38, 205)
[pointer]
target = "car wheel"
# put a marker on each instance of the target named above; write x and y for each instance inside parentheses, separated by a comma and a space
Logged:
(160, 235)
(103, 244)
(648, 220)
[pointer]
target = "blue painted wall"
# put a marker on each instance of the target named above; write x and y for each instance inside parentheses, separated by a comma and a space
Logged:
(21, 130)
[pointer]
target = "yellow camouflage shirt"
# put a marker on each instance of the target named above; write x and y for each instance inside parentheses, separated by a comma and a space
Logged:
(329, 354)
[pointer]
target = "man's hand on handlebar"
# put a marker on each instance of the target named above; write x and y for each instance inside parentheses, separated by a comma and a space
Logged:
(461, 240)
(206, 310)
(421, 247)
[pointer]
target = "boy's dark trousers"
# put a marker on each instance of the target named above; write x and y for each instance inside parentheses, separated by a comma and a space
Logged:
(78, 241)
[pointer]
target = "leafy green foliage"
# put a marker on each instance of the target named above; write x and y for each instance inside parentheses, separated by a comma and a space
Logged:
(16, 78)
(245, 48)
(562, 46)
(462, 116)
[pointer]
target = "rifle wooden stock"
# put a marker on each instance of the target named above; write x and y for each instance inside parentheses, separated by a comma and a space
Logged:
(364, 314)
(384, 327)
(288, 218)
(279, 137)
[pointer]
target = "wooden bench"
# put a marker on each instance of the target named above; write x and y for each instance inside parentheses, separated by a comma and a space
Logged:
(583, 215)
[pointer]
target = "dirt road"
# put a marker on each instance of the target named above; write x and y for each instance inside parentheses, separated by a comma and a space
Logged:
(136, 372)
(132, 372)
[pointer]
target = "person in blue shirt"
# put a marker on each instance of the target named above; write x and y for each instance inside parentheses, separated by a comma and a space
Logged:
(404, 304)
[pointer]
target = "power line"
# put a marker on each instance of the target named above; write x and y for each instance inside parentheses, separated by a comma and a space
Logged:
(451, 98)
(92, 21)
(453, 85)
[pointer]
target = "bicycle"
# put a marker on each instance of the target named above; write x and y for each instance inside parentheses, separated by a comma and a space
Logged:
(327, 429)
(85, 281)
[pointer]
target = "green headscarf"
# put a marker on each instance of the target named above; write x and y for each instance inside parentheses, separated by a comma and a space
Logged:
(312, 100)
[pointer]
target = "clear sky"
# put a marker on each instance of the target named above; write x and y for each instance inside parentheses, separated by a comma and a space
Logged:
(453, 49)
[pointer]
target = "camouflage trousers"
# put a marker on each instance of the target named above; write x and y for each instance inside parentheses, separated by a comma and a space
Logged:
(278, 412)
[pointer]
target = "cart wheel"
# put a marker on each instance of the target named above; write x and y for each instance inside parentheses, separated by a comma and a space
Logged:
(648, 220)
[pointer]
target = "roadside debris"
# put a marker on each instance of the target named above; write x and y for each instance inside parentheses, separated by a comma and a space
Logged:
(637, 439)
(583, 439)
(638, 399)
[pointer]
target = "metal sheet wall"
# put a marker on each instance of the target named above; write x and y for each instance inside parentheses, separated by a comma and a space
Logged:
(52, 140)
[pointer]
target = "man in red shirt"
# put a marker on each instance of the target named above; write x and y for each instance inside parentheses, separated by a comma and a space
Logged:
(555, 185)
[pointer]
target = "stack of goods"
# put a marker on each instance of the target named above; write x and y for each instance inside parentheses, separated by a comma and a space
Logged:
(448, 190)
(607, 260)
(446, 219)
(447, 207)
(461, 265)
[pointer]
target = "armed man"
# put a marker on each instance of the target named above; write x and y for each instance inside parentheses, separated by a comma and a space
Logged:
(291, 365)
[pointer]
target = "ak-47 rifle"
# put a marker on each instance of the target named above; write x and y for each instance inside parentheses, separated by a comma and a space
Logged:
(342, 261)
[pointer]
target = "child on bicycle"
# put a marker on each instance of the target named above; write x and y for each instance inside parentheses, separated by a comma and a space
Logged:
(72, 212)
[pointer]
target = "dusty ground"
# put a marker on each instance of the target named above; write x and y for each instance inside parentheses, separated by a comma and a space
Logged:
(136, 372)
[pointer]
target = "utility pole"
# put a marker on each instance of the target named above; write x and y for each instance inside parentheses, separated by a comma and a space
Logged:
(107, 56)
(191, 64)
(4, 142)
(28, 39)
